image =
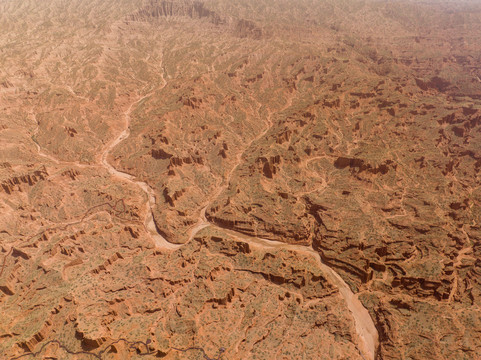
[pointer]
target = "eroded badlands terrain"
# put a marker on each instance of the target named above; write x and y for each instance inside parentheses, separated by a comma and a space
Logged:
(240, 179)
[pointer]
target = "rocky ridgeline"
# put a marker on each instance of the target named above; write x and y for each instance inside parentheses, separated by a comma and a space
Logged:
(17, 182)
(156, 10)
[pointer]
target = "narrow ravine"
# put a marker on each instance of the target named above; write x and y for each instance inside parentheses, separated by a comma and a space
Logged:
(149, 224)
(368, 337)
(365, 328)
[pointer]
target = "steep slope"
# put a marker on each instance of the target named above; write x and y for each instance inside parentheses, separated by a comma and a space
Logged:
(240, 180)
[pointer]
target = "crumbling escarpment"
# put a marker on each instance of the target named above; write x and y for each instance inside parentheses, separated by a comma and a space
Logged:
(157, 10)
(17, 182)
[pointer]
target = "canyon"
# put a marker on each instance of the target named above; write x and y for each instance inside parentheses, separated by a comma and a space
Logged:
(240, 180)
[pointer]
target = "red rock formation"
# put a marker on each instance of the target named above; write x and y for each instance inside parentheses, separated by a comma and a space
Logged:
(239, 180)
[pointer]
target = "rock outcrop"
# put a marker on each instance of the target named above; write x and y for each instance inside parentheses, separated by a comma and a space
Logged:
(157, 9)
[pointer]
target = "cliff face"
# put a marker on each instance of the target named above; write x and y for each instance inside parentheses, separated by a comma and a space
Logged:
(240, 179)
(157, 9)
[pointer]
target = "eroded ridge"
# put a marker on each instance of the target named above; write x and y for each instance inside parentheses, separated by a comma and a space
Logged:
(141, 348)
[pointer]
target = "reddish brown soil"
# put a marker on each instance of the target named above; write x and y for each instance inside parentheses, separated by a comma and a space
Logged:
(240, 179)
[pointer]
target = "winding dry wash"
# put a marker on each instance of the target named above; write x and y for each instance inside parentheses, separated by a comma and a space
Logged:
(368, 337)
(365, 328)
(149, 220)
(235, 180)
